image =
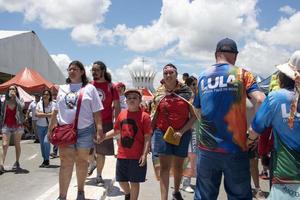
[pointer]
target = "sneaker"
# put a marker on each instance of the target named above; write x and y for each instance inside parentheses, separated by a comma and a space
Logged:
(45, 164)
(16, 166)
(61, 198)
(80, 195)
(99, 181)
(91, 169)
(36, 141)
(127, 196)
(188, 189)
(176, 196)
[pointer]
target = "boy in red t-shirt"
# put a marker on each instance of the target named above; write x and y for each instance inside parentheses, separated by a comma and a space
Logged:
(134, 127)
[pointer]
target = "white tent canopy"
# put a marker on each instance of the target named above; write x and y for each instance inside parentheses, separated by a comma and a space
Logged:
(20, 49)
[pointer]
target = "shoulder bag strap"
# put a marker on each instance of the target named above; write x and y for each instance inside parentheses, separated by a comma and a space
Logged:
(45, 112)
(78, 107)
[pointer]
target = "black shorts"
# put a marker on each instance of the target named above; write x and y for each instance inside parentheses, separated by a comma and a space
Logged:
(128, 170)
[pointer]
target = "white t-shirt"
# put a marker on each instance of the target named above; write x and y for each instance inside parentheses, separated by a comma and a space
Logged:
(48, 109)
(31, 108)
(66, 105)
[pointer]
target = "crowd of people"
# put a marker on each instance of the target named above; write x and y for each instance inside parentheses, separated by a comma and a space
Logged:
(200, 121)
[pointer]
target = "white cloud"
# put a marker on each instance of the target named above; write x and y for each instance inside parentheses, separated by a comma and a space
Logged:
(260, 58)
(85, 33)
(62, 61)
(82, 17)
(283, 33)
(288, 10)
(59, 14)
(194, 27)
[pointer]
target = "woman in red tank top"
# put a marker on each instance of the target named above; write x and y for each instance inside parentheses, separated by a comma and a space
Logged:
(171, 109)
(12, 119)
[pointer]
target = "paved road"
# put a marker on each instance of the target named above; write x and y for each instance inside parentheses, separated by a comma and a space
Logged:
(37, 183)
(150, 189)
(42, 183)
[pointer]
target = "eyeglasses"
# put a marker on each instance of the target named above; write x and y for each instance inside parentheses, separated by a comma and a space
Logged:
(46, 94)
(12, 89)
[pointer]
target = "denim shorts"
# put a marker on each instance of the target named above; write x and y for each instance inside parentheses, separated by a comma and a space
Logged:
(161, 147)
(128, 170)
(7, 131)
(85, 137)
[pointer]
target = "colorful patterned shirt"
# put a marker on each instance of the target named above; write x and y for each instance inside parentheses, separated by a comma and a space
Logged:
(274, 112)
(222, 93)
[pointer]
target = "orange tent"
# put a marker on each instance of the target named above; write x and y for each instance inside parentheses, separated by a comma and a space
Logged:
(29, 80)
(147, 95)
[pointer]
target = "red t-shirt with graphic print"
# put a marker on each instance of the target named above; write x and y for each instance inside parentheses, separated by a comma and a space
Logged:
(108, 93)
(134, 125)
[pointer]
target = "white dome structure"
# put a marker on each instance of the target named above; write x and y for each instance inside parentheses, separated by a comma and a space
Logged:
(143, 78)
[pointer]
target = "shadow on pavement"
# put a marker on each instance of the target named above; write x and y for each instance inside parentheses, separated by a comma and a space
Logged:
(21, 171)
(115, 191)
(91, 181)
(17, 171)
(53, 166)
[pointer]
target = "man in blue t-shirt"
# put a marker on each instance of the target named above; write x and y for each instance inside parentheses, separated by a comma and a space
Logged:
(222, 92)
(281, 111)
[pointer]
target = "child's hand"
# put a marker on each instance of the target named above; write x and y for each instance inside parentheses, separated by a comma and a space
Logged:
(143, 160)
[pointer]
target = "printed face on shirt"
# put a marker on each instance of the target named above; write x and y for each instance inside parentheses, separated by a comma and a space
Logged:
(127, 130)
(128, 127)
(101, 94)
(71, 100)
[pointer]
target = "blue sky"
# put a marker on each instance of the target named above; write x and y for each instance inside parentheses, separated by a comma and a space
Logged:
(183, 32)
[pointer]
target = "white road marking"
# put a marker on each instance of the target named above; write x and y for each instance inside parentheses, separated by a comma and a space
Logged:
(46, 194)
(32, 157)
(26, 141)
